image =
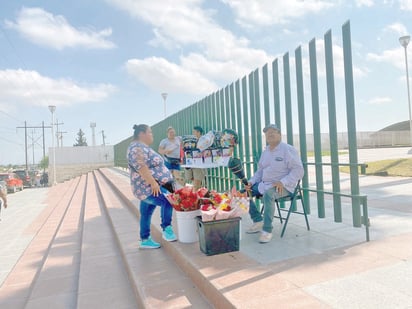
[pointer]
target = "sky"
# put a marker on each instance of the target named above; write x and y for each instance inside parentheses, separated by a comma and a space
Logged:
(108, 62)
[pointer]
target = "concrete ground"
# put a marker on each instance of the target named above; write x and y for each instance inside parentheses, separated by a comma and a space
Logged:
(331, 262)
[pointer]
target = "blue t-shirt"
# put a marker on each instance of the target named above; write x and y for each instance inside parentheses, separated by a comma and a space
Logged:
(139, 155)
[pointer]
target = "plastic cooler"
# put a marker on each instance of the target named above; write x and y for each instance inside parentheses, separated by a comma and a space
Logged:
(218, 236)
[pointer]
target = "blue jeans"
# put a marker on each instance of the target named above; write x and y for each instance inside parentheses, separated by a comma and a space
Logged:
(147, 208)
(269, 211)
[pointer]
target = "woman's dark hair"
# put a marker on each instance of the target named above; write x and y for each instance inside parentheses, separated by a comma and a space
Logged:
(139, 129)
(199, 129)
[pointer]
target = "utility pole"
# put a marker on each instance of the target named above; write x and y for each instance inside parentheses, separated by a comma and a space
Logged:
(25, 137)
(44, 144)
(60, 137)
(57, 131)
(103, 137)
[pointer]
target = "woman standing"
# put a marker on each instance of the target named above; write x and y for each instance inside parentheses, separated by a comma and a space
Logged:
(170, 149)
(147, 173)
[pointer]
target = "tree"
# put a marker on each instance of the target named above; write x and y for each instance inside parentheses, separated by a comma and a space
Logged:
(44, 163)
(81, 140)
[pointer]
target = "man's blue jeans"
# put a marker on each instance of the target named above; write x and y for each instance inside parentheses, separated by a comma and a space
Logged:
(147, 208)
(269, 201)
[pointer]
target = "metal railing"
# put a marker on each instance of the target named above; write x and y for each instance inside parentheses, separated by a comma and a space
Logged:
(249, 103)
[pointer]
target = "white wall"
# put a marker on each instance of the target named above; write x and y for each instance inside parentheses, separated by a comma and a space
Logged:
(74, 161)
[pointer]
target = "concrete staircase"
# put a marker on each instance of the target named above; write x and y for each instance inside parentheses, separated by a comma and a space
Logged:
(86, 255)
(83, 253)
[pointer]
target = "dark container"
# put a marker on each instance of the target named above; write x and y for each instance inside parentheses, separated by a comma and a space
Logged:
(218, 236)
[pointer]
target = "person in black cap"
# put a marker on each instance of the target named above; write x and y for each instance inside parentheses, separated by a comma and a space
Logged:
(279, 170)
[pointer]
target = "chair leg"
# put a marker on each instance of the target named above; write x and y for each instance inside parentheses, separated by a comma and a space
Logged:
(287, 218)
(304, 212)
(279, 213)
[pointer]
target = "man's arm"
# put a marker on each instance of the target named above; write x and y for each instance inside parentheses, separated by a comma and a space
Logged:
(257, 176)
(296, 170)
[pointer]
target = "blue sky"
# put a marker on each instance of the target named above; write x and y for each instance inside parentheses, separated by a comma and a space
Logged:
(109, 61)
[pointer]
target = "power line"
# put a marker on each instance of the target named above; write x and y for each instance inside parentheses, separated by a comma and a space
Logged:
(12, 117)
(25, 138)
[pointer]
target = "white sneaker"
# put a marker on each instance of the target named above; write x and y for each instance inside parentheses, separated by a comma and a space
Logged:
(255, 228)
(265, 237)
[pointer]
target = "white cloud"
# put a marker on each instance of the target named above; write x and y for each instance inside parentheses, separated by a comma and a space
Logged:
(158, 73)
(270, 12)
(54, 31)
(380, 100)
(338, 61)
(396, 28)
(30, 87)
(405, 5)
(214, 53)
(367, 3)
(391, 56)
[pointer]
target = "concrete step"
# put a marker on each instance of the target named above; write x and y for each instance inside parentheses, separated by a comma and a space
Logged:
(57, 280)
(157, 281)
(103, 280)
(86, 255)
(207, 273)
(17, 287)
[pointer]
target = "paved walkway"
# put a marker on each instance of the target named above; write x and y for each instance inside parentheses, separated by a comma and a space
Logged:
(332, 262)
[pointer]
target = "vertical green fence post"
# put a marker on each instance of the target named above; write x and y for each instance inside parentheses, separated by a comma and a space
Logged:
(276, 92)
(333, 132)
(316, 127)
(239, 150)
(266, 105)
(258, 122)
(288, 99)
(302, 123)
(233, 113)
(253, 121)
(246, 132)
(351, 124)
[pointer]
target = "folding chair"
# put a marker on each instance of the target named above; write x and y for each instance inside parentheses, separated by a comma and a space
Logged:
(292, 198)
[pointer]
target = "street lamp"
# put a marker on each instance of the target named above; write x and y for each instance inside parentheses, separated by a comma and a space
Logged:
(52, 109)
(164, 96)
(404, 40)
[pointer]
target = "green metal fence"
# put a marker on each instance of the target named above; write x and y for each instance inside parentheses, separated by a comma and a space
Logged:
(246, 106)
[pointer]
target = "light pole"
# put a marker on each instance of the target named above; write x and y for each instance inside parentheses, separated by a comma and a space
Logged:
(164, 96)
(52, 109)
(93, 125)
(404, 40)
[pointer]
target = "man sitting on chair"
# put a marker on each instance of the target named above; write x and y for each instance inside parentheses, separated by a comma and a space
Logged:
(279, 170)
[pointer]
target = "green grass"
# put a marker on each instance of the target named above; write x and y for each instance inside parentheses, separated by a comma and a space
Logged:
(325, 153)
(393, 167)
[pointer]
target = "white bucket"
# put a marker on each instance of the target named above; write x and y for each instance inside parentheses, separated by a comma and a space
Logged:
(187, 226)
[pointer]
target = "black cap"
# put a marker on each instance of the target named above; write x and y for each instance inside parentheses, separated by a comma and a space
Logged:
(271, 126)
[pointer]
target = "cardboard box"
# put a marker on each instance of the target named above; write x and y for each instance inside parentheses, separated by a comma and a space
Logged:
(219, 236)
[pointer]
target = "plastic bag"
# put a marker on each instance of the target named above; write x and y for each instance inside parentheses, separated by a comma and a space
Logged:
(205, 141)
